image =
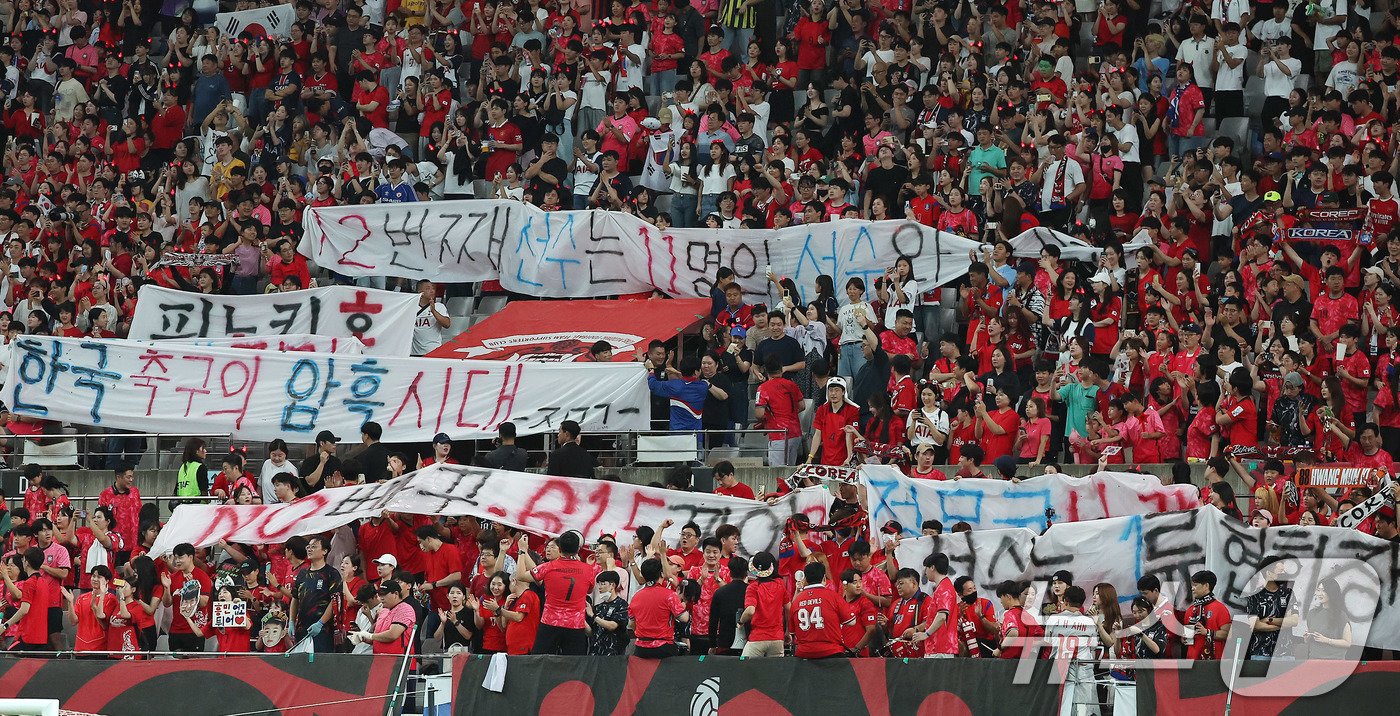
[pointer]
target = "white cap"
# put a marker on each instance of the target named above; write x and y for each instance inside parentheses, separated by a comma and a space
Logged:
(1100, 277)
(651, 123)
(388, 559)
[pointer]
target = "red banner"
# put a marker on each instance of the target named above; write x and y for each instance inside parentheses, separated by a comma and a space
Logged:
(562, 331)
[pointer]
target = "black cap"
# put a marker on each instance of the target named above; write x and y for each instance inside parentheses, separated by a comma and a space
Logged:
(1063, 575)
(1191, 328)
(442, 438)
(326, 436)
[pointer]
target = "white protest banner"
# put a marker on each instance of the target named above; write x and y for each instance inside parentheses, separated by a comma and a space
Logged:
(259, 395)
(1028, 243)
(992, 504)
(274, 21)
(229, 615)
(580, 254)
(1172, 546)
(541, 504)
(381, 320)
(1353, 517)
(825, 473)
(293, 342)
(196, 260)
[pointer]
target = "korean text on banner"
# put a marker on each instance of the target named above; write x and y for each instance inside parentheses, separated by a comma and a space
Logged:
(991, 504)
(294, 342)
(381, 320)
(259, 395)
(542, 504)
(581, 254)
(1171, 546)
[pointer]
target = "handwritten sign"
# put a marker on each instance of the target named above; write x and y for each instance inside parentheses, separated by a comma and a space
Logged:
(1173, 545)
(1353, 517)
(296, 342)
(1338, 477)
(230, 615)
(825, 473)
(541, 504)
(258, 395)
(381, 320)
(580, 254)
(986, 503)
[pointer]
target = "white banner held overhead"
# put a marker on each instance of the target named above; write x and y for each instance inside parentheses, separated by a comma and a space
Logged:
(986, 503)
(258, 395)
(541, 504)
(274, 21)
(292, 342)
(1353, 517)
(381, 320)
(580, 254)
(1172, 546)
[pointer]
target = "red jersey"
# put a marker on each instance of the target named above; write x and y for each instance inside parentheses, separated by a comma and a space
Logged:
(493, 637)
(1213, 618)
(1357, 365)
(126, 507)
(906, 614)
(34, 626)
(654, 609)
(709, 583)
(782, 400)
(738, 490)
(767, 598)
(1015, 618)
(179, 625)
(832, 426)
(567, 582)
(92, 632)
(1200, 432)
(520, 636)
(853, 630)
(500, 159)
(438, 566)
(817, 619)
(945, 601)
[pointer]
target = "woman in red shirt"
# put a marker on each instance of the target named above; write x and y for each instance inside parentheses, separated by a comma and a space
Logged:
(521, 616)
(997, 429)
(812, 34)
(1238, 416)
(493, 633)
(1106, 311)
(1034, 437)
(1166, 400)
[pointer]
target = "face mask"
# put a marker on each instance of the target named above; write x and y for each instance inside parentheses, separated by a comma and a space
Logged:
(970, 598)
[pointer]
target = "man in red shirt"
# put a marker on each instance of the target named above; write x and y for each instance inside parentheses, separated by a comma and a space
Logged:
(874, 583)
(33, 613)
(567, 582)
(859, 631)
(830, 423)
(1355, 371)
(710, 575)
(688, 549)
(1333, 308)
(1015, 623)
(729, 481)
(503, 139)
(765, 604)
(125, 501)
(173, 594)
(908, 617)
(655, 609)
(372, 100)
(1208, 619)
(975, 616)
(942, 631)
(818, 618)
(442, 567)
(778, 403)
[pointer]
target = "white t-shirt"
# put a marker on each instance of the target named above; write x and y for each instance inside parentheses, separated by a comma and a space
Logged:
(851, 331)
(1343, 77)
(1229, 78)
(594, 93)
(583, 178)
(265, 478)
(1278, 84)
(632, 72)
(660, 148)
(911, 292)
(760, 113)
(1228, 10)
(1074, 176)
(1323, 33)
(1198, 54)
(1272, 29)
(427, 334)
(1129, 134)
(873, 56)
(715, 181)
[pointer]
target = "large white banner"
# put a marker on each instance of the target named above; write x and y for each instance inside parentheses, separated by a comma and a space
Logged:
(991, 504)
(294, 342)
(381, 320)
(1172, 546)
(579, 254)
(260, 395)
(541, 504)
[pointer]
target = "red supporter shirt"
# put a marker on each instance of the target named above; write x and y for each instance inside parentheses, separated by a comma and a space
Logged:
(767, 599)
(817, 619)
(520, 636)
(945, 599)
(906, 614)
(439, 565)
(1245, 416)
(567, 582)
(92, 632)
(653, 608)
(126, 506)
(1014, 618)
(853, 631)
(709, 583)
(179, 625)
(738, 490)
(34, 626)
(1216, 617)
(375, 540)
(783, 401)
(1200, 432)
(832, 426)
(1357, 365)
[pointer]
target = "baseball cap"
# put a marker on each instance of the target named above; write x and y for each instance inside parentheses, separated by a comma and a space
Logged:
(1045, 66)
(1272, 196)
(1063, 575)
(1100, 277)
(1375, 270)
(442, 438)
(1293, 379)
(1267, 515)
(764, 566)
(651, 123)
(1273, 157)
(1191, 328)
(1297, 280)
(388, 559)
(923, 447)
(326, 436)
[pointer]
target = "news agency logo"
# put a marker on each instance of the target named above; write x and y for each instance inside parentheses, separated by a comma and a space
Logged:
(1328, 617)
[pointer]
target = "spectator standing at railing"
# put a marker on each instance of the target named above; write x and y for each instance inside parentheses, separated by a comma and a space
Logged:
(506, 455)
(570, 459)
(686, 393)
(125, 500)
(374, 457)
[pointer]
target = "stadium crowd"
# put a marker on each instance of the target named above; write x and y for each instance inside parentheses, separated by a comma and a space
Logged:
(1247, 147)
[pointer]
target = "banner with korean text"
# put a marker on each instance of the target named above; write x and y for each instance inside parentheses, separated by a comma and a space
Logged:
(295, 342)
(991, 504)
(541, 504)
(261, 395)
(583, 254)
(1173, 545)
(381, 320)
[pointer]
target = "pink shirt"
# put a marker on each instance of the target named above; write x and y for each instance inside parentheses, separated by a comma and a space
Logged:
(1035, 430)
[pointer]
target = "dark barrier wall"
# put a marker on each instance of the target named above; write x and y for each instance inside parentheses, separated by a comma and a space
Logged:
(204, 686)
(1202, 690)
(617, 686)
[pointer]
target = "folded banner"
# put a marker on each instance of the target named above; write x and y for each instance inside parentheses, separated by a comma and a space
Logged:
(541, 504)
(258, 395)
(1336, 215)
(274, 21)
(381, 320)
(581, 254)
(1173, 545)
(196, 260)
(294, 342)
(989, 504)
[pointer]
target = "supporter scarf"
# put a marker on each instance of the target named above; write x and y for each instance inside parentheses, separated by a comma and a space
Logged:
(1057, 191)
(1200, 622)
(1174, 105)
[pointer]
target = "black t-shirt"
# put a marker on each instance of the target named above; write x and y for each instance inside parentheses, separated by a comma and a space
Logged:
(313, 590)
(571, 460)
(507, 457)
(751, 146)
(886, 183)
(374, 462)
(556, 168)
(725, 606)
(787, 349)
(850, 97)
(308, 466)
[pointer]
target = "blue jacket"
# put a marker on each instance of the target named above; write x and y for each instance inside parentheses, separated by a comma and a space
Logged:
(687, 399)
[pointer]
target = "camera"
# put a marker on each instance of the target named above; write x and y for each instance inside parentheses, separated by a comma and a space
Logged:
(59, 215)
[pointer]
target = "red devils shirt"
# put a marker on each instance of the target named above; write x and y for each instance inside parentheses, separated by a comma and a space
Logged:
(817, 618)
(567, 582)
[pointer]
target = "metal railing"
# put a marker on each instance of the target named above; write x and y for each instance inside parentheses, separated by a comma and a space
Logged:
(623, 448)
(104, 450)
